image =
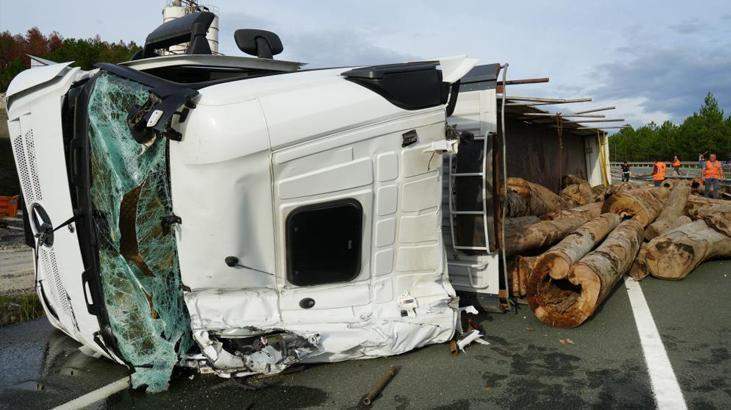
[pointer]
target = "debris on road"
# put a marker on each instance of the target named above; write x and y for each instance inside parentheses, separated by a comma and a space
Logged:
(381, 384)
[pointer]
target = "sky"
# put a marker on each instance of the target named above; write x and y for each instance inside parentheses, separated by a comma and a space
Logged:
(653, 60)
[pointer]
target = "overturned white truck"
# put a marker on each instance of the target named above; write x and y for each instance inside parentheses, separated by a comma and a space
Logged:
(241, 214)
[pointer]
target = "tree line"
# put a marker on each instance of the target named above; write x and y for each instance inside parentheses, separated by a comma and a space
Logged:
(707, 130)
(14, 50)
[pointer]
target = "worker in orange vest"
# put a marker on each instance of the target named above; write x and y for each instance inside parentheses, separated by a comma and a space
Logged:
(712, 173)
(676, 165)
(658, 172)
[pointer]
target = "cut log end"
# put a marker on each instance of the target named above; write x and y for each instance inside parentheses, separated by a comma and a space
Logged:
(566, 302)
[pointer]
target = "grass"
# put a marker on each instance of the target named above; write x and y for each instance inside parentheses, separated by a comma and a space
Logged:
(19, 308)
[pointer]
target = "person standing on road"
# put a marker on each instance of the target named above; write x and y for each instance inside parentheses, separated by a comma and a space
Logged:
(712, 173)
(676, 165)
(658, 172)
(625, 172)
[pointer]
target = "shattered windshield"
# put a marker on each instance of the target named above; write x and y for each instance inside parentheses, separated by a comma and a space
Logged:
(138, 262)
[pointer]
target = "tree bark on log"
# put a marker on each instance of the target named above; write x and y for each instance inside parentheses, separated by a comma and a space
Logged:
(541, 234)
(577, 194)
(624, 186)
(557, 261)
(671, 215)
(638, 271)
(696, 202)
(571, 179)
(678, 251)
(642, 205)
(519, 274)
(571, 301)
(588, 211)
(526, 198)
(599, 193)
(717, 217)
(520, 222)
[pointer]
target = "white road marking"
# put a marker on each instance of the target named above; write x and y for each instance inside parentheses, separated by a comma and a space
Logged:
(96, 395)
(664, 384)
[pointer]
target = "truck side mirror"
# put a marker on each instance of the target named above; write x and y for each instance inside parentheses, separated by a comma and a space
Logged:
(260, 43)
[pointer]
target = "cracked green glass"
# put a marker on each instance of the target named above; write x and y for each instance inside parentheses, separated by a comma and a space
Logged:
(138, 262)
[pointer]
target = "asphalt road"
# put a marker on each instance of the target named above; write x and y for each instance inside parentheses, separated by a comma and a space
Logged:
(525, 366)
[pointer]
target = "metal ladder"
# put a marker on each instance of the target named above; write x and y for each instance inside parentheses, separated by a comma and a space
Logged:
(453, 213)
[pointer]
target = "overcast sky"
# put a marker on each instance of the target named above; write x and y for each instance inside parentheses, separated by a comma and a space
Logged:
(654, 60)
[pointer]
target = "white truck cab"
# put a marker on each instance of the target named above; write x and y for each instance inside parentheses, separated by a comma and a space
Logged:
(241, 214)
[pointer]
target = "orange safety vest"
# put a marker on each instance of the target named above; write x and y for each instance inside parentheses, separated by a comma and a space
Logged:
(660, 174)
(713, 170)
(676, 164)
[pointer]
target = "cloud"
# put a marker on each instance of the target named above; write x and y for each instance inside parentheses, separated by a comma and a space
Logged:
(341, 48)
(670, 81)
(691, 26)
(317, 48)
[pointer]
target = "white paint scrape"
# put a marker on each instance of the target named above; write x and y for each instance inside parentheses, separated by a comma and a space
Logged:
(664, 384)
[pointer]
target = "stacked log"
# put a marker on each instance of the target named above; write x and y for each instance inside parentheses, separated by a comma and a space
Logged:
(570, 301)
(578, 194)
(588, 211)
(695, 203)
(678, 251)
(599, 193)
(571, 179)
(642, 204)
(519, 274)
(671, 215)
(542, 234)
(557, 261)
(526, 198)
(718, 217)
(594, 244)
(520, 222)
(623, 186)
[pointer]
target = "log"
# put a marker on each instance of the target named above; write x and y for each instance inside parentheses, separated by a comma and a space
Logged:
(527, 198)
(541, 234)
(638, 271)
(624, 186)
(520, 222)
(717, 217)
(557, 261)
(674, 254)
(577, 194)
(571, 179)
(521, 270)
(671, 215)
(589, 211)
(641, 204)
(696, 202)
(569, 302)
(599, 193)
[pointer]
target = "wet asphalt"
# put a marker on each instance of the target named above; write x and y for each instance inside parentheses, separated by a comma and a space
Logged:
(525, 365)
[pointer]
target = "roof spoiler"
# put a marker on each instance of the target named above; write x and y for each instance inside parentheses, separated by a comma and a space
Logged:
(191, 28)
